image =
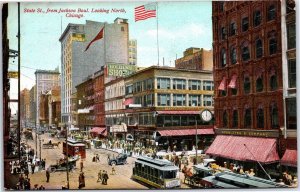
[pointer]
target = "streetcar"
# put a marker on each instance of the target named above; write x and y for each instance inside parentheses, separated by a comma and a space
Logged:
(157, 173)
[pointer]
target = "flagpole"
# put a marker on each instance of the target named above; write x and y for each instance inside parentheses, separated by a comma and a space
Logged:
(157, 33)
(104, 45)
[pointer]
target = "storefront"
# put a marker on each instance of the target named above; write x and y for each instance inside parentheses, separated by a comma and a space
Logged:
(247, 152)
(184, 139)
(289, 162)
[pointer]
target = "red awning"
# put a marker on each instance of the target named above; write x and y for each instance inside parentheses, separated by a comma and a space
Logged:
(289, 158)
(222, 84)
(185, 132)
(128, 101)
(232, 83)
(244, 148)
(179, 112)
(97, 130)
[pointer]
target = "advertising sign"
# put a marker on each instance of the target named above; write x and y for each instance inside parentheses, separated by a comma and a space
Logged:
(120, 70)
(13, 74)
(172, 183)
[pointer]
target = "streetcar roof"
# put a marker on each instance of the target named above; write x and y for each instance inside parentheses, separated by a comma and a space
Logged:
(211, 179)
(157, 164)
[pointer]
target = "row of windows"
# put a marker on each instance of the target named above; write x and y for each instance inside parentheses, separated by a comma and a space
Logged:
(247, 118)
(165, 83)
(180, 100)
(257, 20)
(245, 51)
(259, 86)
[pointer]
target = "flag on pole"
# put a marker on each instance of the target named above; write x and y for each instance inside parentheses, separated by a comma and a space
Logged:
(144, 12)
(98, 36)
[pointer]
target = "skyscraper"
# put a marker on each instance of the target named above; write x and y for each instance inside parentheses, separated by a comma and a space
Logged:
(77, 64)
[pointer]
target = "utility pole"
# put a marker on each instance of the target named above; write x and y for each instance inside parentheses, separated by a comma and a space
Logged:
(67, 154)
(19, 82)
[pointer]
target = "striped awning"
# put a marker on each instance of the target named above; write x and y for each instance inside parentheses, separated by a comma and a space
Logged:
(289, 158)
(185, 132)
(244, 148)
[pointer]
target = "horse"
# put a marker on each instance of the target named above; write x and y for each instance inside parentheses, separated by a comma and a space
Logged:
(56, 144)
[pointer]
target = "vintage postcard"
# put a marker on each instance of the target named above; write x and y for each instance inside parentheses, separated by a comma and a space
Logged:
(149, 95)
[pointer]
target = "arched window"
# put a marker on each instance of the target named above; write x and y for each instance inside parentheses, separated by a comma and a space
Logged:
(245, 52)
(247, 118)
(271, 12)
(272, 46)
(260, 118)
(273, 82)
(235, 119)
(245, 24)
(233, 55)
(257, 18)
(233, 28)
(259, 48)
(247, 85)
(223, 57)
(274, 116)
(259, 84)
(225, 119)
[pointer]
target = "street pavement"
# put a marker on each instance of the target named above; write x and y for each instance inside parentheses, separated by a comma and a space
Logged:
(121, 180)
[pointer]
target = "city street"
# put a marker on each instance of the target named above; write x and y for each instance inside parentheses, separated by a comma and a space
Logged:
(58, 179)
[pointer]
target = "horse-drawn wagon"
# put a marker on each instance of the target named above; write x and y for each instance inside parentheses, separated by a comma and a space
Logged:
(50, 145)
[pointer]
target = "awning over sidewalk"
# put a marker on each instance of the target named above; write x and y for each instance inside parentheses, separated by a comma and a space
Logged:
(178, 112)
(244, 148)
(98, 130)
(185, 132)
(289, 158)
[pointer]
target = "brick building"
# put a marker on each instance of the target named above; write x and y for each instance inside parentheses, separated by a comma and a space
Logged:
(99, 95)
(195, 59)
(54, 104)
(248, 80)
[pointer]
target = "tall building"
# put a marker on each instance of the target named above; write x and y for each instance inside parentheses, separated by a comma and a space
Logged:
(25, 107)
(288, 31)
(45, 80)
(195, 59)
(248, 107)
(33, 105)
(77, 64)
(132, 52)
(54, 106)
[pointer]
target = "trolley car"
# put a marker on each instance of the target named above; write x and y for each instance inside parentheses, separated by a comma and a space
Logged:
(157, 173)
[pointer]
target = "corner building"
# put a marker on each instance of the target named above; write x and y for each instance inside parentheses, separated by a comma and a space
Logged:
(248, 83)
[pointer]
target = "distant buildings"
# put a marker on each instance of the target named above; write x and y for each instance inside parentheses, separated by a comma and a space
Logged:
(77, 63)
(195, 59)
(45, 80)
(33, 105)
(132, 52)
(25, 106)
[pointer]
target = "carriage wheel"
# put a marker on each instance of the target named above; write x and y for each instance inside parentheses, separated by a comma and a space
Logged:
(53, 169)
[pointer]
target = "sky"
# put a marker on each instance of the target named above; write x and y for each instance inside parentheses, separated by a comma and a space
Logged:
(180, 25)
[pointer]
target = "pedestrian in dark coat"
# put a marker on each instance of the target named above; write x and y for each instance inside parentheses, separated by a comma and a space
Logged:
(32, 168)
(47, 175)
(26, 172)
(81, 165)
(105, 178)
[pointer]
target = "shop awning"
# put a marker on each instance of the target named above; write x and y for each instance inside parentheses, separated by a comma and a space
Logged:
(178, 112)
(98, 130)
(289, 158)
(185, 132)
(244, 148)
(128, 101)
(232, 83)
(222, 85)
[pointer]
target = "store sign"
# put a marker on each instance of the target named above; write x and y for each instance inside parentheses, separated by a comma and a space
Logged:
(135, 105)
(120, 70)
(118, 128)
(172, 183)
(249, 133)
(13, 74)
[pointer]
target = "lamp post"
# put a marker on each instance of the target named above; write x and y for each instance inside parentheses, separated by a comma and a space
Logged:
(68, 185)
(196, 147)
(40, 146)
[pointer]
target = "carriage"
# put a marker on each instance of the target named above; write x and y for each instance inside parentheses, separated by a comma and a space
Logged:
(63, 165)
(50, 145)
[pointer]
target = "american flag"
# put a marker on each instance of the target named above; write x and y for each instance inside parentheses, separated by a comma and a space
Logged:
(145, 12)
